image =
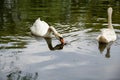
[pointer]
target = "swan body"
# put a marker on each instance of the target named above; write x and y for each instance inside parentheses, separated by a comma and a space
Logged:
(42, 29)
(107, 34)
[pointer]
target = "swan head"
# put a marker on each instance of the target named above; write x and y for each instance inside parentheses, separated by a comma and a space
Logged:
(57, 35)
(110, 10)
(60, 38)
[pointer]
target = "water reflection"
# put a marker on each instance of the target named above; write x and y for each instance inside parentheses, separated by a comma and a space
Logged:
(103, 46)
(50, 46)
(49, 43)
(13, 42)
(17, 16)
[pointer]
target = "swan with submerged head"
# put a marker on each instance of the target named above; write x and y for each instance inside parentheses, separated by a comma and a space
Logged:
(42, 29)
(107, 35)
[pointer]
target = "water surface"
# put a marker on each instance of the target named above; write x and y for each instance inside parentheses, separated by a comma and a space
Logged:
(22, 57)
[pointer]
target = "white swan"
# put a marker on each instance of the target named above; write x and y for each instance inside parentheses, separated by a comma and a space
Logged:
(41, 28)
(107, 35)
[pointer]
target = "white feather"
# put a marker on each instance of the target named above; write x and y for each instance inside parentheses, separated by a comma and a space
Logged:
(39, 28)
(107, 35)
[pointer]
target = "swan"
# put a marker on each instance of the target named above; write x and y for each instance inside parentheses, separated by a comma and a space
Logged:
(42, 29)
(107, 34)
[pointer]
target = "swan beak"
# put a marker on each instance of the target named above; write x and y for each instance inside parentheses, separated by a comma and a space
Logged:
(62, 40)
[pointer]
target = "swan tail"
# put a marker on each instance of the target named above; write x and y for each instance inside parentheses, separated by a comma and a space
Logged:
(102, 39)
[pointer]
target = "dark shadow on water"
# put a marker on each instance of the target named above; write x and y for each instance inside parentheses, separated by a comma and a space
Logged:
(19, 75)
(49, 43)
(50, 46)
(103, 46)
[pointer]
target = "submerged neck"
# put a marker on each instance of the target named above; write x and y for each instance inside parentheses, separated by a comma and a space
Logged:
(110, 18)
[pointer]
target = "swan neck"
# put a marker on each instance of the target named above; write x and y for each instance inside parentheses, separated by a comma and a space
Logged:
(110, 20)
(53, 29)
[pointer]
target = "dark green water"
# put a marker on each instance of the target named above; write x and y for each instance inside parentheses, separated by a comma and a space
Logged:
(22, 57)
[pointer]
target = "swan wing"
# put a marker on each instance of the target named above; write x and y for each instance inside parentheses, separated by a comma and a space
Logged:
(39, 28)
(108, 34)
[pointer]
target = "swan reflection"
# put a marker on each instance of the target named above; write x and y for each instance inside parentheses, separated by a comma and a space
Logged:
(103, 46)
(50, 46)
(49, 43)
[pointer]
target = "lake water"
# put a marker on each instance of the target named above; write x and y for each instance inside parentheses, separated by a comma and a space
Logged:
(23, 57)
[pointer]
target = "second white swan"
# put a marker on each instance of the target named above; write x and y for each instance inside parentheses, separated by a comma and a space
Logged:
(108, 34)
